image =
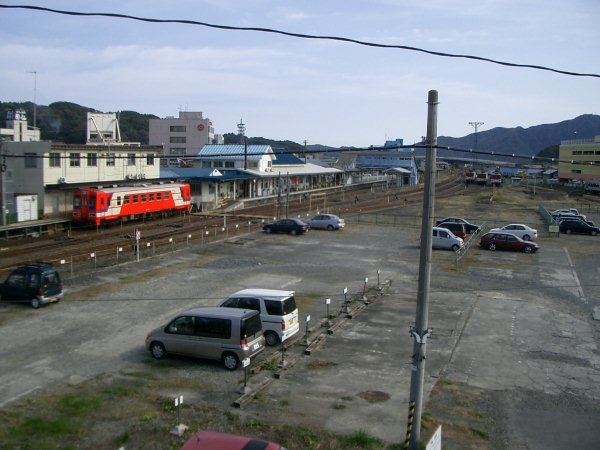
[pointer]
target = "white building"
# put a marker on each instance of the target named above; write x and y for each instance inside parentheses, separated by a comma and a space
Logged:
(182, 136)
(17, 129)
(53, 171)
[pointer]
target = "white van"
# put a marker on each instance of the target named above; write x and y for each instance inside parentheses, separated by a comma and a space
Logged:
(278, 311)
(444, 238)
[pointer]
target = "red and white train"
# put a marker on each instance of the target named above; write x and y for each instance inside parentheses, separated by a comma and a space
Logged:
(101, 205)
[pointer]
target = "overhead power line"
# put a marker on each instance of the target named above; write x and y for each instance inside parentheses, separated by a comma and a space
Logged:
(302, 36)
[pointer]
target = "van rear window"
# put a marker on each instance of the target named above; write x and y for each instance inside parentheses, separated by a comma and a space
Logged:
(280, 308)
(251, 325)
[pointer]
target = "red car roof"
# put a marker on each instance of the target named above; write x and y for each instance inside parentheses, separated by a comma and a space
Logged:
(211, 440)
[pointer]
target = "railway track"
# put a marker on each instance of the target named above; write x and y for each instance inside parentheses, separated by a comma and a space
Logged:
(117, 243)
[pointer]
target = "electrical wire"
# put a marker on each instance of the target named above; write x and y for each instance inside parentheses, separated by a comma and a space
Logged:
(301, 36)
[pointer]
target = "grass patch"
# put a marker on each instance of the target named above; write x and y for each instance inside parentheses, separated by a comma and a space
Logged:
(362, 439)
(77, 405)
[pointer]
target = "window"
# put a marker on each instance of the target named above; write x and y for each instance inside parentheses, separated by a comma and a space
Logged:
(177, 129)
(131, 159)
(218, 164)
(159, 196)
(213, 328)
(30, 160)
(135, 198)
(143, 197)
(177, 140)
(249, 303)
(229, 164)
(54, 159)
(177, 151)
(110, 159)
(182, 325)
(167, 195)
(118, 200)
(16, 280)
(75, 159)
(575, 170)
(577, 152)
(92, 159)
(205, 164)
(126, 200)
(150, 159)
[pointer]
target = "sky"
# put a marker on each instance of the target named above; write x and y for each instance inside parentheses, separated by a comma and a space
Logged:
(320, 91)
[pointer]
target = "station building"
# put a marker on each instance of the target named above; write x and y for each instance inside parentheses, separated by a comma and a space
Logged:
(579, 159)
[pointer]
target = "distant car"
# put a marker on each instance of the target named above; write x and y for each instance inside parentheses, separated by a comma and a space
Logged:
(520, 230)
(291, 226)
(458, 229)
(569, 214)
(444, 238)
(497, 240)
(578, 226)
(470, 227)
(326, 222)
(565, 211)
(36, 284)
(211, 440)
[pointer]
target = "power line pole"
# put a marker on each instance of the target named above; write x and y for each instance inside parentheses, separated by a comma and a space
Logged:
(420, 332)
(305, 144)
(34, 99)
(476, 125)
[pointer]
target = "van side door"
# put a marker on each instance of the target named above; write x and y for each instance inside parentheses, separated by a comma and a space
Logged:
(213, 336)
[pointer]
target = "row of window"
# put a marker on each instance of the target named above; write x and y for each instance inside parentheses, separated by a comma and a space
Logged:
(91, 158)
(141, 198)
(586, 152)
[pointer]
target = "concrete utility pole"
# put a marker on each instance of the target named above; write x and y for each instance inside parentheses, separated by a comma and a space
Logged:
(476, 125)
(420, 332)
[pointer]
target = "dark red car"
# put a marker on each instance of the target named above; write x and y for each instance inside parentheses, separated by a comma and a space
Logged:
(458, 229)
(210, 440)
(506, 241)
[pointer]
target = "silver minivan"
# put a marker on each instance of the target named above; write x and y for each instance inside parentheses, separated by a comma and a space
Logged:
(278, 311)
(444, 238)
(228, 335)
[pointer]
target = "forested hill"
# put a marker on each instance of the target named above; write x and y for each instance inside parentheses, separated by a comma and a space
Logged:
(66, 122)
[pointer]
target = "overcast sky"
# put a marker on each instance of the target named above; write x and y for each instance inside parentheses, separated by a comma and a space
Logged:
(325, 92)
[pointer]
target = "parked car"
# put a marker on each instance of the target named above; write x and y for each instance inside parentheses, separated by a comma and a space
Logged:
(567, 214)
(497, 240)
(520, 230)
(36, 284)
(277, 308)
(226, 334)
(211, 440)
(326, 222)
(444, 238)
(291, 226)
(565, 211)
(458, 229)
(470, 227)
(578, 226)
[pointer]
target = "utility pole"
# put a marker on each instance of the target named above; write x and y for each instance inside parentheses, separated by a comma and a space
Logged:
(2, 185)
(476, 125)
(34, 99)
(420, 332)
(305, 144)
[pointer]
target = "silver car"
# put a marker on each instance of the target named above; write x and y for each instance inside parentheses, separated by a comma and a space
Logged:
(224, 334)
(326, 222)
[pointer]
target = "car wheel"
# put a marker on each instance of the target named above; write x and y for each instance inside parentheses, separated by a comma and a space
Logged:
(158, 350)
(455, 247)
(526, 237)
(268, 230)
(271, 338)
(492, 247)
(35, 303)
(293, 232)
(329, 227)
(230, 361)
(594, 233)
(528, 249)
(568, 231)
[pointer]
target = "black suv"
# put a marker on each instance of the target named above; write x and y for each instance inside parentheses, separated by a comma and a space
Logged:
(36, 284)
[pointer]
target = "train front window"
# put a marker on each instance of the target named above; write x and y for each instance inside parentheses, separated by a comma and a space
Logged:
(77, 202)
(92, 202)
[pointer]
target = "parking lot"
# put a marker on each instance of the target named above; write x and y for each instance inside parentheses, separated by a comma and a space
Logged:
(517, 327)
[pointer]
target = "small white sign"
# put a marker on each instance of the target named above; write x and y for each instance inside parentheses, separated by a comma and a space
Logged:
(435, 443)
(138, 235)
(328, 301)
(245, 362)
(92, 255)
(345, 291)
(62, 261)
(308, 318)
(178, 400)
(366, 279)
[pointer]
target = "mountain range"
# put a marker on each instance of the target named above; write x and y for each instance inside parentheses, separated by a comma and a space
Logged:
(66, 122)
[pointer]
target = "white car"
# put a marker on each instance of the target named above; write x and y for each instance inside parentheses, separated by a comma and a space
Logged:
(326, 222)
(520, 230)
(444, 238)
